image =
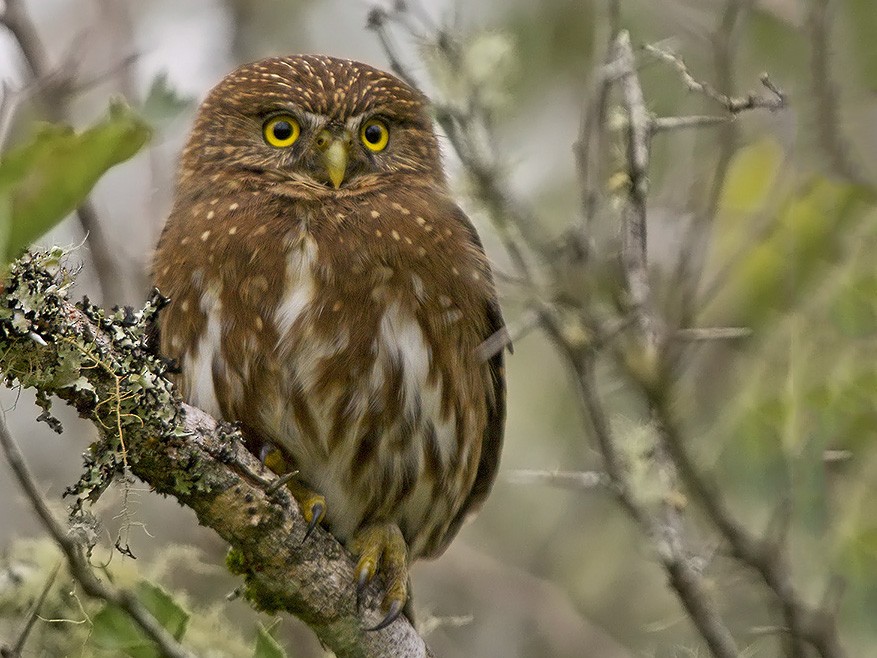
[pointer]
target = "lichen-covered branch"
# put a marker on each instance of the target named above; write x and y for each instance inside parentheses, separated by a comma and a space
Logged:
(104, 365)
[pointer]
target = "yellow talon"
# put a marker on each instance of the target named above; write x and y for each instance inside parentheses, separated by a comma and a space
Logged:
(381, 546)
(311, 504)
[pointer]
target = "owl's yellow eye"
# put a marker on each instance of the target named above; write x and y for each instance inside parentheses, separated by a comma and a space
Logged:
(374, 135)
(281, 131)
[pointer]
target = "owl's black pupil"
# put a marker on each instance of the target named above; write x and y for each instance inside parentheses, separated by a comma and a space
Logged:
(373, 134)
(282, 130)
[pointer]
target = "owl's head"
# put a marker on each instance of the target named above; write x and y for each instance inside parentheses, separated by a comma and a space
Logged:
(313, 125)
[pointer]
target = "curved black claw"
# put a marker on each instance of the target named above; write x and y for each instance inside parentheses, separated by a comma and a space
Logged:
(317, 514)
(392, 614)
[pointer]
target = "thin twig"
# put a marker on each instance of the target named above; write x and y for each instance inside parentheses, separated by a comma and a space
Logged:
(703, 208)
(77, 563)
(803, 623)
(702, 334)
(634, 229)
(776, 100)
(686, 580)
(590, 147)
(669, 527)
(665, 124)
(575, 480)
(828, 129)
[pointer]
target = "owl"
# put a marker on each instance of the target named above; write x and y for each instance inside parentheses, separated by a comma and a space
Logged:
(330, 297)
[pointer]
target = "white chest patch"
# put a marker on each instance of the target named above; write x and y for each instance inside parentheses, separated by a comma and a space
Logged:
(299, 291)
(206, 356)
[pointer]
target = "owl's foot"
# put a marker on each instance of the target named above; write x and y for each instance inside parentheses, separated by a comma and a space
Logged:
(382, 546)
(311, 504)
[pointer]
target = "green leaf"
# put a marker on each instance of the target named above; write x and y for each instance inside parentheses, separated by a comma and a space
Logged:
(48, 177)
(115, 631)
(267, 646)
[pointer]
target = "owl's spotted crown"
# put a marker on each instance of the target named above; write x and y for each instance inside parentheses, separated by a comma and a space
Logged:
(323, 85)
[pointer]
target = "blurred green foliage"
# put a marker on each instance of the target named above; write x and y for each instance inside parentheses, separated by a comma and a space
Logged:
(46, 178)
(114, 631)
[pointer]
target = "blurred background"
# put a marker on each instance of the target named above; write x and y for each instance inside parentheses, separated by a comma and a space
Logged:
(786, 413)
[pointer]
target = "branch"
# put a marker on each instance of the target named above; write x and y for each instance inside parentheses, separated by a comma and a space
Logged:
(105, 366)
(815, 625)
(575, 480)
(54, 94)
(831, 139)
(76, 562)
(775, 100)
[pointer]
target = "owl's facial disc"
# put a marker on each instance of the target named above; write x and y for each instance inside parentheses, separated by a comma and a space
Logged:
(334, 146)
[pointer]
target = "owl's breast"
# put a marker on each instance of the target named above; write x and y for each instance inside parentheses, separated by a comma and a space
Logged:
(348, 340)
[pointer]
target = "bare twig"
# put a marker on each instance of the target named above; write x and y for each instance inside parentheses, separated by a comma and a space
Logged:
(575, 480)
(662, 124)
(700, 334)
(590, 146)
(733, 104)
(815, 626)
(54, 92)
(76, 562)
(828, 129)
(703, 208)
(634, 229)
(687, 582)
(685, 579)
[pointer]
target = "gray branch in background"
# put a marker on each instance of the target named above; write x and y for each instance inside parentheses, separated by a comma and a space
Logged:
(824, 90)
(53, 88)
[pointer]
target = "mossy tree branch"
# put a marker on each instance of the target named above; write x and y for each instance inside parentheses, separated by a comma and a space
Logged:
(103, 364)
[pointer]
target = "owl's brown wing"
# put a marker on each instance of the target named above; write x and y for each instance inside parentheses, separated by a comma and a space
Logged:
(491, 445)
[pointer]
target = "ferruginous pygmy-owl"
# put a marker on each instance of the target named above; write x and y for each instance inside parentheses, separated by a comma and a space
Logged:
(329, 295)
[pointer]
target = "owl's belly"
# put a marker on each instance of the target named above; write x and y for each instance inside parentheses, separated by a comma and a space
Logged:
(360, 406)
(368, 427)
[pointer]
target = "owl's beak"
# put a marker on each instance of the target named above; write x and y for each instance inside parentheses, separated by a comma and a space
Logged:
(336, 151)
